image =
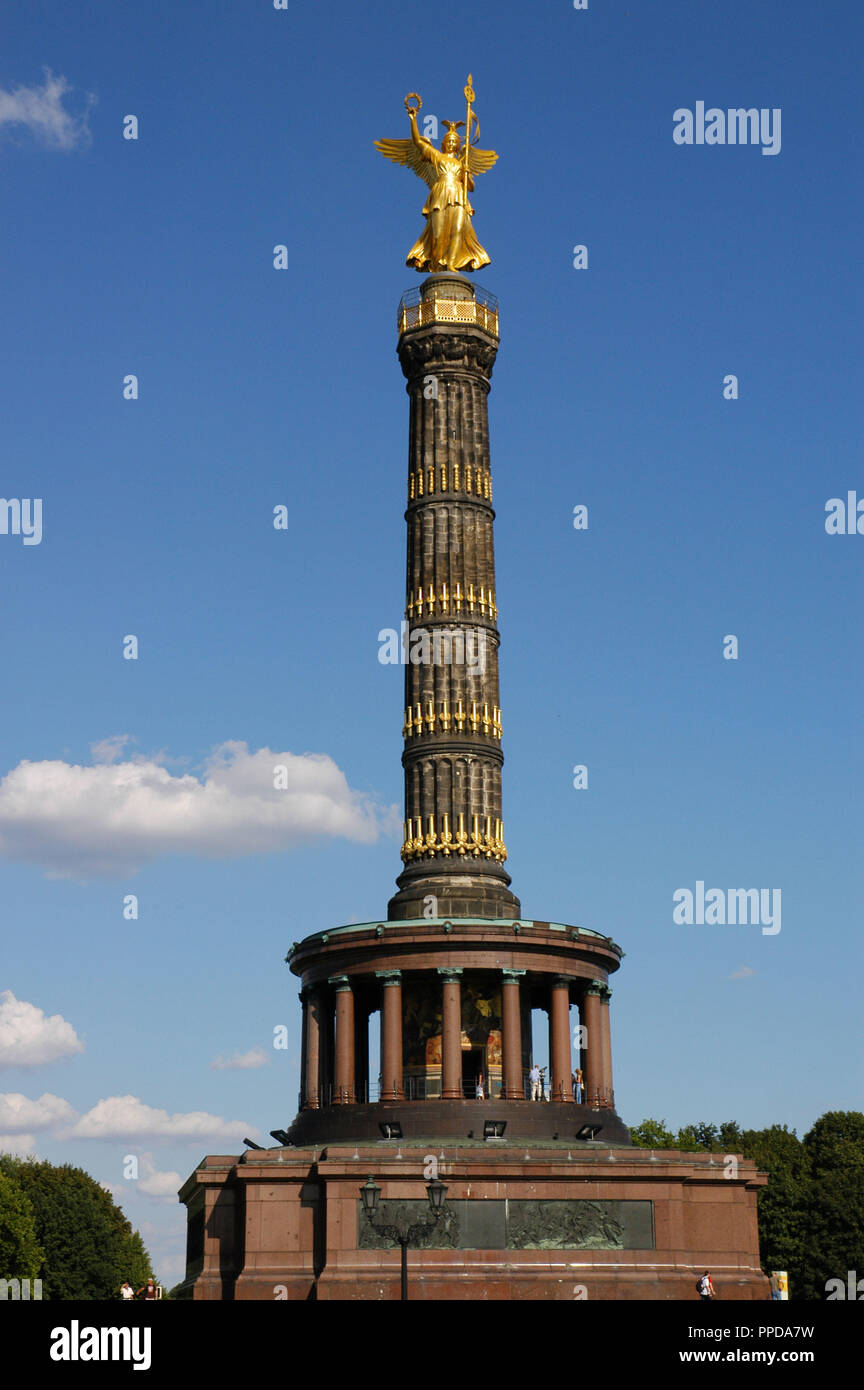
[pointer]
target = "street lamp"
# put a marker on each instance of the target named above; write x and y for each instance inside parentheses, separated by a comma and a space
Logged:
(436, 1191)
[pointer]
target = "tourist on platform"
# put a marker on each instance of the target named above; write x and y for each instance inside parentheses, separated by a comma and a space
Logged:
(577, 1085)
(478, 1089)
(534, 1078)
(544, 1084)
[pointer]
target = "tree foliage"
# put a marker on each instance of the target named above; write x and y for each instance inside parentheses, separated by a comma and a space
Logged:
(811, 1213)
(88, 1247)
(20, 1253)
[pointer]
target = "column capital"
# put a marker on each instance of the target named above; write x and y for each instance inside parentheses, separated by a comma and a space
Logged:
(449, 976)
(562, 982)
(341, 983)
(595, 987)
(605, 994)
(389, 977)
(511, 977)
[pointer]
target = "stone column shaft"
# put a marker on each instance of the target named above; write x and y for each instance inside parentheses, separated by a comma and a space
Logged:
(511, 1031)
(391, 1035)
(606, 1047)
(453, 848)
(451, 1035)
(343, 1080)
(312, 1030)
(593, 1055)
(559, 1012)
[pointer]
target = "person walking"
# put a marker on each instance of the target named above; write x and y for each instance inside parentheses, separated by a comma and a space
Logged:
(706, 1287)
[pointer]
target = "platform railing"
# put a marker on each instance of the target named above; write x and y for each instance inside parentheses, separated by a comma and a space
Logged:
(416, 310)
(426, 1088)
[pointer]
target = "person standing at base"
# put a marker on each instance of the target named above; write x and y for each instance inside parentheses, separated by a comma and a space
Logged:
(126, 1291)
(534, 1078)
(706, 1287)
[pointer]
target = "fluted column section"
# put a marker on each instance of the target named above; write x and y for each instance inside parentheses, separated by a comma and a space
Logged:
(453, 846)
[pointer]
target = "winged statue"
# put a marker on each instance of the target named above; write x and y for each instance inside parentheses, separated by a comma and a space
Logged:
(448, 242)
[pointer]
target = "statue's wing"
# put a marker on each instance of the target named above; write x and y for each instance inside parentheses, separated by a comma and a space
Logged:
(406, 152)
(480, 160)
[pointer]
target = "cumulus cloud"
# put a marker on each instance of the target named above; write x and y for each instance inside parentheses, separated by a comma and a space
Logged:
(29, 1038)
(127, 1117)
(162, 1185)
(110, 818)
(19, 1115)
(742, 973)
(18, 1145)
(47, 113)
(241, 1061)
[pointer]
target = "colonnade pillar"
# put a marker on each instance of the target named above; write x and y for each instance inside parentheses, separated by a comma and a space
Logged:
(311, 1047)
(605, 1047)
(451, 1035)
(559, 1011)
(511, 1035)
(592, 1065)
(343, 1072)
(391, 1034)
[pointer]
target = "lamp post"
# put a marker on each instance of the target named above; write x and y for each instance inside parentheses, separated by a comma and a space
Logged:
(436, 1191)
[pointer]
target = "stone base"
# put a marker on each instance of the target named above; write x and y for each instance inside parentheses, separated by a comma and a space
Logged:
(434, 1120)
(456, 895)
(579, 1221)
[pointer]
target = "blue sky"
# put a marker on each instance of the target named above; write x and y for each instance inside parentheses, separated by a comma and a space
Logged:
(260, 387)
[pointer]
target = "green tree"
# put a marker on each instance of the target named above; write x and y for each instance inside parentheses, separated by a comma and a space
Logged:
(84, 1235)
(833, 1238)
(136, 1262)
(652, 1134)
(699, 1136)
(20, 1252)
(730, 1137)
(782, 1205)
(811, 1213)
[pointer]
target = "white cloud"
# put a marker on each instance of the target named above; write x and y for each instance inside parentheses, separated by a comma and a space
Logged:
(742, 973)
(241, 1061)
(29, 1038)
(162, 1185)
(19, 1115)
(110, 818)
(108, 750)
(19, 1145)
(127, 1117)
(43, 112)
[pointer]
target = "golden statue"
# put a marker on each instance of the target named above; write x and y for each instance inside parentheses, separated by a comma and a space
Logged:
(448, 242)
